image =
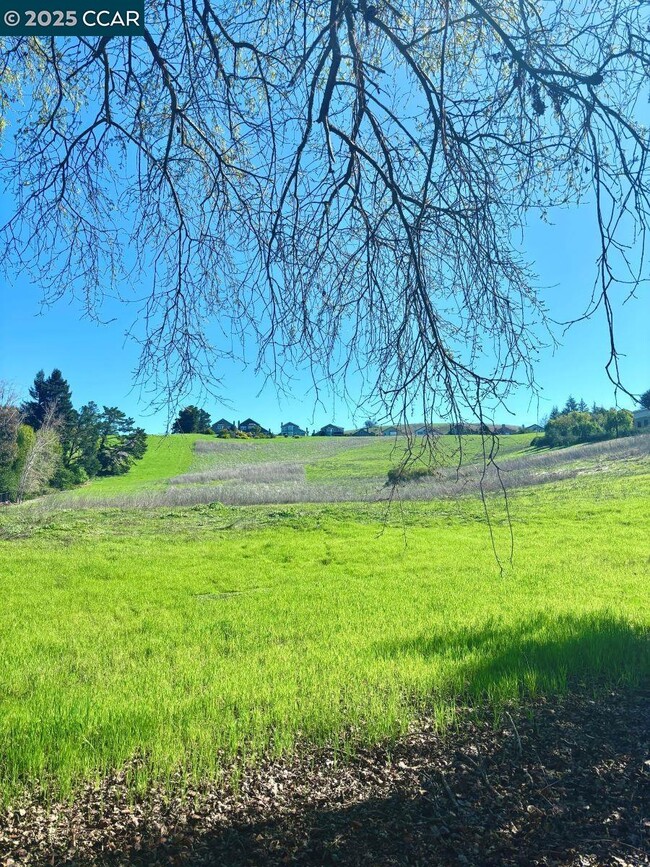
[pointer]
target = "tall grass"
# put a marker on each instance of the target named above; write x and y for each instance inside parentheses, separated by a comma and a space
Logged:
(256, 472)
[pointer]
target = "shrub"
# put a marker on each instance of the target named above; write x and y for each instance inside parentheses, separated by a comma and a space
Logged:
(400, 475)
(8, 483)
(69, 477)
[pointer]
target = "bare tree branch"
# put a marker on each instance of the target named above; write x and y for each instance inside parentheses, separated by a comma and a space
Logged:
(337, 183)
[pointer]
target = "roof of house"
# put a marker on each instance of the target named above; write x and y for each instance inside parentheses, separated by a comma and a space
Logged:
(222, 421)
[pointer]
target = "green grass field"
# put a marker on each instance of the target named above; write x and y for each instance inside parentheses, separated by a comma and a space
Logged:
(195, 637)
(374, 459)
(199, 636)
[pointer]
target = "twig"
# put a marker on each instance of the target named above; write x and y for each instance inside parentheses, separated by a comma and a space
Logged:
(512, 723)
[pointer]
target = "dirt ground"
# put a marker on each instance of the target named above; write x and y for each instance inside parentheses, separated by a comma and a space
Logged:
(559, 782)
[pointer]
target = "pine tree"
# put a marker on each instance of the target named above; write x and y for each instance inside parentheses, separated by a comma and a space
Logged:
(570, 406)
(51, 397)
(83, 442)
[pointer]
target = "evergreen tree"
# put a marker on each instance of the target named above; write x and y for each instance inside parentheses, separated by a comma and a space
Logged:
(570, 406)
(49, 395)
(554, 413)
(566, 429)
(192, 419)
(82, 444)
(644, 400)
(76, 445)
(120, 442)
(582, 406)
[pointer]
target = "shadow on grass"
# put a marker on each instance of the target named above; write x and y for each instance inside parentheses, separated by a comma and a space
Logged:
(541, 654)
(561, 781)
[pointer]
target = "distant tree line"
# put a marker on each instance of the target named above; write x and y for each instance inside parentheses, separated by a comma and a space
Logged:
(577, 423)
(46, 443)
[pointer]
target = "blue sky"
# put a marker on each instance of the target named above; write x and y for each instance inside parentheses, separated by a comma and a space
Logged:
(98, 360)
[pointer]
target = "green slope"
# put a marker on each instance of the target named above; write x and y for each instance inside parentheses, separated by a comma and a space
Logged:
(166, 456)
(325, 459)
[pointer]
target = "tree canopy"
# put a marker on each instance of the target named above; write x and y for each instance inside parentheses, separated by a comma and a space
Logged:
(192, 419)
(344, 182)
(579, 426)
(49, 395)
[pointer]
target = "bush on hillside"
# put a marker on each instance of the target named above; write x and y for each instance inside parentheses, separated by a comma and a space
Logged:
(69, 477)
(584, 427)
(400, 475)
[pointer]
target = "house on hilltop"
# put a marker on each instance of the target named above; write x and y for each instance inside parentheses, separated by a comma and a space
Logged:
(251, 426)
(289, 429)
(223, 424)
(331, 430)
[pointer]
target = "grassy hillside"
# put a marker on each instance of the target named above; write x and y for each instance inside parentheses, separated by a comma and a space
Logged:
(333, 458)
(324, 470)
(375, 458)
(190, 637)
(165, 456)
(313, 469)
